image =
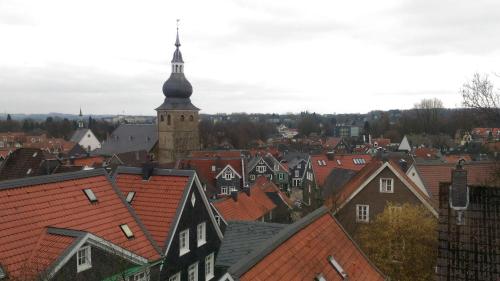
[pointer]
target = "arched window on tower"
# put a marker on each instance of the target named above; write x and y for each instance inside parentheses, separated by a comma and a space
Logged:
(180, 68)
(176, 68)
(182, 117)
(168, 119)
(191, 118)
(161, 118)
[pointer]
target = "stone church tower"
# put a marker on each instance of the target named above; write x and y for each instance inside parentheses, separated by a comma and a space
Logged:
(177, 116)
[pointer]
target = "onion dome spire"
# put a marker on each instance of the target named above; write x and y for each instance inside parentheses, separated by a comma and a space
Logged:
(177, 86)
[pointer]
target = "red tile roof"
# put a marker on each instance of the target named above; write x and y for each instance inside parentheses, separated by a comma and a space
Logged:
(268, 186)
(29, 206)
(455, 158)
(245, 208)
(304, 255)
(216, 153)
(93, 161)
(426, 153)
(156, 200)
(381, 142)
(203, 167)
(478, 173)
(345, 161)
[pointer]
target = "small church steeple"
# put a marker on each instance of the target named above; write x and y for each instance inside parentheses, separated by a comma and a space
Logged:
(177, 61)
(80, 119)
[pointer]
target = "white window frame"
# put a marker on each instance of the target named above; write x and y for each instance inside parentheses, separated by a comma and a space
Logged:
(232, 189)
(136, 276)
(217, 219)
(261, 169)
(193, 268)
(228, 175)
(85, 250)
(175, 277)
(383, 187)
(281, 176)
(213, 168)
(201, 234)
(184, 240)
(297, 173)
(362, 213)
(252, 177)
(209, 270)
(224, 190)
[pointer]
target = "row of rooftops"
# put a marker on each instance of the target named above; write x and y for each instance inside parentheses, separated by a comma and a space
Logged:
(46, 217)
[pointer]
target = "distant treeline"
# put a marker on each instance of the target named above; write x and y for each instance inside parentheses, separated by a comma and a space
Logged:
(56, 127)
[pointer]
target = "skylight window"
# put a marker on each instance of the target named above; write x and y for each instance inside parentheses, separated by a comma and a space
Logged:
(338, 162)
(324, 163)
(35, 154)
(337, 267)
(29, 171)
(130, 197)
(320, 277)
(2, 272)
(126, 230)
(90, 195)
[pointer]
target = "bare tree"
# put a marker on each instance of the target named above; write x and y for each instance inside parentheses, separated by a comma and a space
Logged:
(479, 94)
(428, 113)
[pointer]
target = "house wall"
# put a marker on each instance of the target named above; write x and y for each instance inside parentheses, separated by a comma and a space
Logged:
(89, 140)
(104, 264)
(371, 195)
(234, 182)
(190, 218)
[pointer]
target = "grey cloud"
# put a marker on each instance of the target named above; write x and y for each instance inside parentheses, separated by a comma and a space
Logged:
(431, 27)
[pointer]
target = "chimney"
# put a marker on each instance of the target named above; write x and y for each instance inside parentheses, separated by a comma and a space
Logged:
(234, 195)
(330, 155)
(459, 192)
(147, 170)
(247, 190)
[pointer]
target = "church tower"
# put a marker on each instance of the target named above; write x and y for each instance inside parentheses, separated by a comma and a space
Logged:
(177, 117)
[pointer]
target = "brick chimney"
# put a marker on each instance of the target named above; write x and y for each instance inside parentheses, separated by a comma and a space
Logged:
(459, 192)
(234, 195)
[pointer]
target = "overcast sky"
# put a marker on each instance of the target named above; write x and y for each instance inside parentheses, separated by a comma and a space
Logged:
(243, 56)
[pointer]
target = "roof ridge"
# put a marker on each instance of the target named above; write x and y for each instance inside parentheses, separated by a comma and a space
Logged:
(156, 171)
(29, 181)
(266, 248)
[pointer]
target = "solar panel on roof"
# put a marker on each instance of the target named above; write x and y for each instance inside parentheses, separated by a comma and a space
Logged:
(90, 195)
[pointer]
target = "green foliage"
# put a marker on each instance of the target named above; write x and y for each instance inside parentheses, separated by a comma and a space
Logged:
(308, 123)
(402, 242)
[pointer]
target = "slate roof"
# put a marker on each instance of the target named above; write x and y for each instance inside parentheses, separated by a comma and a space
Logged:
(245, 208)
(300, 251)
(242, 237)
(345, 161)
(26, 162)
(79, 134)
(31, 205)
(293, 158)
(129, 137)
(335, 181)
(478, 173)
(156, 200)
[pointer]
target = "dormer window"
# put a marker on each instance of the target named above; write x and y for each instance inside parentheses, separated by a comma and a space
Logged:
(126, 230)
(90, 195)
(130, 197)
(228, 175)
(83, 259)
